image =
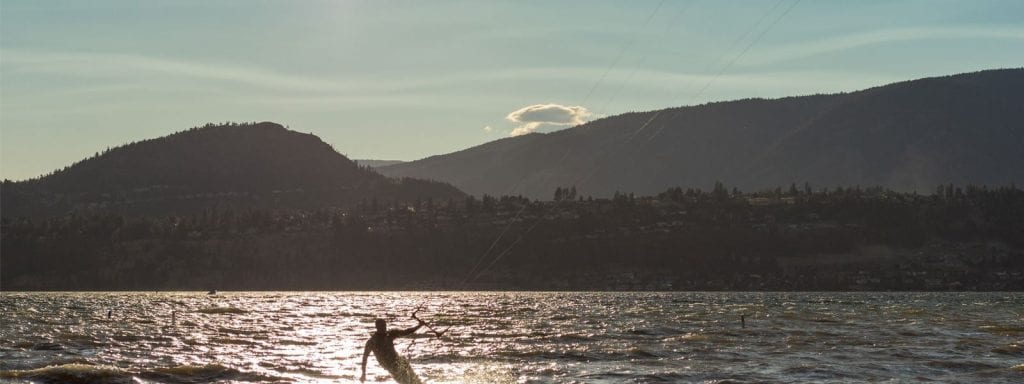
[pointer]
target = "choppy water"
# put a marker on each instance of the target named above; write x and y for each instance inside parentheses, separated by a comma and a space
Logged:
(516, 337)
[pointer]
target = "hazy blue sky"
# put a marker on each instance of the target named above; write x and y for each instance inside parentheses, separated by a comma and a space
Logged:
(404, 80)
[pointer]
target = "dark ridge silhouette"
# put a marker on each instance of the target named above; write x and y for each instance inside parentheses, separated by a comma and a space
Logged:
(242, 165)
(908, 136)
(377, 163)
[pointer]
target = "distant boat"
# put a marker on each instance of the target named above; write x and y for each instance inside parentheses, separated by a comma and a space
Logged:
(212, 292)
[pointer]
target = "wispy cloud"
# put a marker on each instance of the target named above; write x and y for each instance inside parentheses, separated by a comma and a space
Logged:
(121, 65)
(794, 51)
(122, 79)
(124, 66)
(535, 116)
(134, 72)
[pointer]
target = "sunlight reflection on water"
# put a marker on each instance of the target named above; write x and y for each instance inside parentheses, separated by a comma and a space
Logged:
(515, 337)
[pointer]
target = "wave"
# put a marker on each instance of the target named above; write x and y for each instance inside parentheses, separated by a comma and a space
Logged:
(1012, 349)
(509, 335)
(222, 311)
(1008, 330)
(640, 352)
(657, 331)
(960, 365)
(696, 337)
(549, 355)
(13, 365)
(46, 346)
(617, 377)
(304, 371)
(236, 331)
(79, 339)
(201, 373)
(74, 373)
(321, 314)
(71, 374)
(295, 342)
(576, 337)
(693, 336)
(232, 341)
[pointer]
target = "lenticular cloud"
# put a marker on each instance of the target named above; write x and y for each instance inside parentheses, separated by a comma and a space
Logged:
(535, 116)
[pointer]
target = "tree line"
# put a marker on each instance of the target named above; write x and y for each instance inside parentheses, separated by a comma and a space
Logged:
(677, 239)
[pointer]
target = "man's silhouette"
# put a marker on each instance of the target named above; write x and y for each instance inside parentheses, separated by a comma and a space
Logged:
(382, 343)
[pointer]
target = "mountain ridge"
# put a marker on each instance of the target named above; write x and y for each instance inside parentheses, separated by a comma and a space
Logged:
(242, 165)
(373, 163)
(875, 136)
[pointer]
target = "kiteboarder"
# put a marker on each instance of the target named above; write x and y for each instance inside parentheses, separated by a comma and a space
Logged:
(382, 343)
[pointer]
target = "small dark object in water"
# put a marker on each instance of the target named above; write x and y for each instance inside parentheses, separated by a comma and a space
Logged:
(109, 313)
(743, 321)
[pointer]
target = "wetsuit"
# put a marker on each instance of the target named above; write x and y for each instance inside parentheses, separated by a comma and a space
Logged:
(383, 347)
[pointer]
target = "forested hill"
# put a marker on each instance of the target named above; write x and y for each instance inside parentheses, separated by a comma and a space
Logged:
(913, 135)
(236, 165)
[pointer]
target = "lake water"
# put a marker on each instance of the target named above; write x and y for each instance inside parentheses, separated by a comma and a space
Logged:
(515, 337)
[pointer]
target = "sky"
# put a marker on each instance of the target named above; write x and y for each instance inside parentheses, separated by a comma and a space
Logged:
(410, 79)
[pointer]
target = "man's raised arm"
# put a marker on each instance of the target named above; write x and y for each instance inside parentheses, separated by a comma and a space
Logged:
(407, 332)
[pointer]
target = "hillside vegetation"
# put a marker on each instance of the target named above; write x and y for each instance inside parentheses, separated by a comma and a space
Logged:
(796, 239)
(229, 165)
(908, 136)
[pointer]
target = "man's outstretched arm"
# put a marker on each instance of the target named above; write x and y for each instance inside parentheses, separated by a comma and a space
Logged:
(406, 332)
(366, 353)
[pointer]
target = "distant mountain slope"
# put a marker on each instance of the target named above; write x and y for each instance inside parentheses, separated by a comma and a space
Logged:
(913, 135)
(247, 165)
(377, 163)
